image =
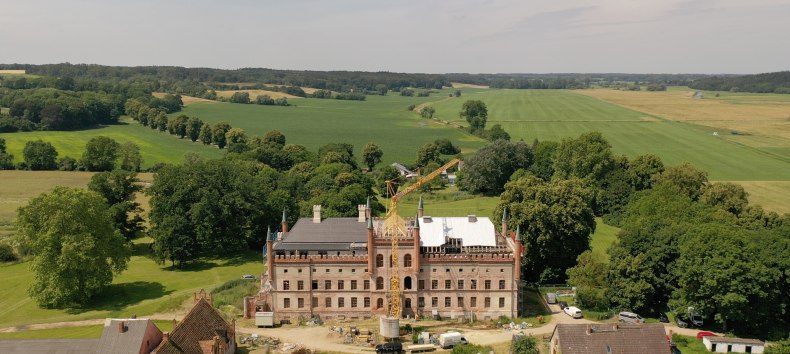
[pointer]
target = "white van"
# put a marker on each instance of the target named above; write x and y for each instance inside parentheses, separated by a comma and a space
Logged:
(573, 311)
(630, 317)
(551, 298)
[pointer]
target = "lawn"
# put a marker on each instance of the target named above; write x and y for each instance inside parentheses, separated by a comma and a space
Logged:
(446, 202)
(145, 288)
(603, 238)
(155, 147)
(311, 122)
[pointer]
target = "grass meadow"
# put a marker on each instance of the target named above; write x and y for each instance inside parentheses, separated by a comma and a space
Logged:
(93, 331)
(155, 146)
(311, 122)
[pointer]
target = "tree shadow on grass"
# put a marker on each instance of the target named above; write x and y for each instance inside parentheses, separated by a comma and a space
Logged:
(118, 296)
(207, 263)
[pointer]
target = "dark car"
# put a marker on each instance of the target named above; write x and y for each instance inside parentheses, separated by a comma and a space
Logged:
(663, 318)
(393, 348)
(562, 304)
(682, 321)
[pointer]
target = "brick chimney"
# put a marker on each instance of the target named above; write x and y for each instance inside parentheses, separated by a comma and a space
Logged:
(121, 327)
(316, 214)
(166, 336)
(589, 329)
(416, 260)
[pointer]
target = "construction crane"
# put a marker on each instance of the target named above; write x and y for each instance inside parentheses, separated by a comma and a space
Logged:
(395, 228)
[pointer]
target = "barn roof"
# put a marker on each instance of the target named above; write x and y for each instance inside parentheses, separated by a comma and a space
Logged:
(203, 322)
(130, 340)
(612, 338)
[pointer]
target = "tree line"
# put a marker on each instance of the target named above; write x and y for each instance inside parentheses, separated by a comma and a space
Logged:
(53, 109)
(775, 82)
(101, 154)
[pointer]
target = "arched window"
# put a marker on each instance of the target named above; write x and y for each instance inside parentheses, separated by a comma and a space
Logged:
(379, 303)
(379, 283)
(380, 260)
(407, 261)
(407, 284)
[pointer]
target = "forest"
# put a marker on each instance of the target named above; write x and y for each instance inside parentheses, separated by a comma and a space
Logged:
(775, 82)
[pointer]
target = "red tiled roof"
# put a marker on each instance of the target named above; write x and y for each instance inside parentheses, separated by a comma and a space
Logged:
(202, 323)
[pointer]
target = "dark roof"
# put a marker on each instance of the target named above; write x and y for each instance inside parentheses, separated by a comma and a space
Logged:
(47, 346)
(621, 338)
(329, 234)
(130, 341)
(201, 323)
(715, 339)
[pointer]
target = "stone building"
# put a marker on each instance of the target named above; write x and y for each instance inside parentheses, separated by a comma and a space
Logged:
(453, 267)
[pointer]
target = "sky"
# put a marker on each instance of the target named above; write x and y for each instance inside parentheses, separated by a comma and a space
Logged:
(425, 36)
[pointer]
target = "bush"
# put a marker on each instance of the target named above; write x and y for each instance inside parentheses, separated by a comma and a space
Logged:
(525, 345)
(7, 253)
(411, 107)
(591, 298)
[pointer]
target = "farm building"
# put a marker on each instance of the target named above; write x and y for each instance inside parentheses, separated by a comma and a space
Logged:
(733, 345)
(404, 172)
(453, 267)
(617, 338)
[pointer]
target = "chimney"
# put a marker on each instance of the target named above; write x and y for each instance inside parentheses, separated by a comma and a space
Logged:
(285, 223)
(472, 218)
(589, 329)
(416, 261)
(363, 210)
(504, 221)
(121, 327)
(420, 208)
(166, 336)
(316, 214)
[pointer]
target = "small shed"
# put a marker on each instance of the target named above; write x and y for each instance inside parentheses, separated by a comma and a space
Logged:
(733, 345)
(264, 319)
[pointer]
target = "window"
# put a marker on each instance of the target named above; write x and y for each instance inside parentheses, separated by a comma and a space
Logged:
(379, 260)
(488, 284)
(487, 302)
(366, 284)
(379, 303)
(379, 283)
(420, 302)
(407, 260)
(326, 270)
(353, 285)
(501, 270)
(460, 269)
(448, 283)
(286, 303)
(501, 302)
(341, 302)
(460, 301)
(433, 270)
(407, 303)
(447, 270)
(327, 284)
(421, 284)
(328, 302)
(473, 284)
(434, 302)
(353, 270)
(300, 285)
(285, 270)
(407, 283)
(286, 285)
(340, 270)
(390, 257)
(434, 284)
(314, 303)
(473, 301)
(340, 285)
(300, 303)
(315, 284)
(299, 270)
(460, 285)
(447, 301)
(353, 302)
(367, 302)
(501, 285)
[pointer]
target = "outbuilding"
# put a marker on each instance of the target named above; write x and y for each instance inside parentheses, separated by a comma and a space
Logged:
(733, 345)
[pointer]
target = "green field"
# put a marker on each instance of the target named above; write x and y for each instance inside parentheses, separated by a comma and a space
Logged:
(603, 238)
(93, 331)
(384, 120)
(155, 146)
(557, 114)
(144, 288)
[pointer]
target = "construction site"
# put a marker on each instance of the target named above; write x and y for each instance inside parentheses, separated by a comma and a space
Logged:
(391, 270)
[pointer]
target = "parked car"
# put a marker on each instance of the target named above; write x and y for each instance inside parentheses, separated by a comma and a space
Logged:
(573, 311)
(248, 276)
(551, 298)
(391, 347)
(562, 304)
(703, 334)
(630, 317)
(663, 318)
(682, 321)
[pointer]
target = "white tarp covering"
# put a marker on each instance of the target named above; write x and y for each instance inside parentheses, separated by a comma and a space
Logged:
(477, 233)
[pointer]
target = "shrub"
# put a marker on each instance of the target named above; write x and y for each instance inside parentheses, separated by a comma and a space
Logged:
(7, 253)
(591, 298)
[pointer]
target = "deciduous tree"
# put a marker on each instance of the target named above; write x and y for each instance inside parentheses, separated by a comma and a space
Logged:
(100, 154)
(40, 155)
(118, 188)
(371, 154)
